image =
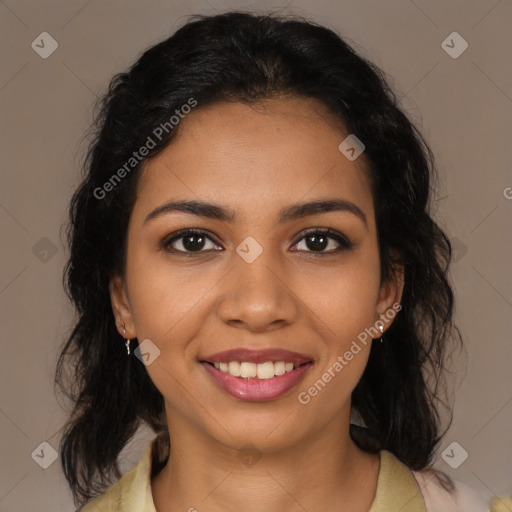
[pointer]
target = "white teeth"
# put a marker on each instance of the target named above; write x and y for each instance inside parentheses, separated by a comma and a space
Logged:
(265, 370)
(247, 370)
(279, 368)
(262, 371)
(234, 368)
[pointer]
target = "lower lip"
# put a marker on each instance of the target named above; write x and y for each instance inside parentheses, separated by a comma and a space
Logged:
(257, 390)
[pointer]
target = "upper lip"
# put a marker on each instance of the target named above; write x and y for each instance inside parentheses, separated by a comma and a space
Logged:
(258, 356)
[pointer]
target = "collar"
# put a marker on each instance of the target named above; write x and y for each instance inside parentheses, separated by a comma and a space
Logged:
(397, 488)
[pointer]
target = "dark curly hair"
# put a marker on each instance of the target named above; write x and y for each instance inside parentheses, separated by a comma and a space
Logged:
(243, 57)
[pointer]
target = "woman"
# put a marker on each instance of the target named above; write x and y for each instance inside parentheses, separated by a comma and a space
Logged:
(254, 263)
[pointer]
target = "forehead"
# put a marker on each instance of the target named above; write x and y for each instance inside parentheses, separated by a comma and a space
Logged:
(256, 156)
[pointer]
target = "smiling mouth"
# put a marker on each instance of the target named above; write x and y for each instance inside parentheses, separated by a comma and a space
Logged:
(259, 371)
(257, 382)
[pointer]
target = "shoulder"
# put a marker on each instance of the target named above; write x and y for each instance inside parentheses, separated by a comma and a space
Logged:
(109, 501)
(114, 498)
(442, 494)
(131, 492)
(437, 492)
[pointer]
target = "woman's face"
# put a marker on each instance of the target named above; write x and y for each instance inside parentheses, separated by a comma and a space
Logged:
(253, 279)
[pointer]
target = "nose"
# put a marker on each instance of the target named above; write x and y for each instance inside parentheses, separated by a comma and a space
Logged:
(258, 296)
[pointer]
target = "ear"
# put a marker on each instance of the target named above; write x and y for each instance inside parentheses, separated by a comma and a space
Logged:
(121, 307)
(391, 293)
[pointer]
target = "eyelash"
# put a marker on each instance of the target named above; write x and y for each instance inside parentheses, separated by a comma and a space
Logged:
(345, 243)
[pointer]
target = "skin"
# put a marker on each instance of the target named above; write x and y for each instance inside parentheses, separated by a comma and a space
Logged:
(256, 160)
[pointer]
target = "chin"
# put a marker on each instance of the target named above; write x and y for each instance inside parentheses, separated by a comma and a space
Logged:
(265, 432)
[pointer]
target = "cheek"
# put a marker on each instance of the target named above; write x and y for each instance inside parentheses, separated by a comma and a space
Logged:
(164, 295)
(165, 310)
(343, 305)
(344, 354)
(342, 298)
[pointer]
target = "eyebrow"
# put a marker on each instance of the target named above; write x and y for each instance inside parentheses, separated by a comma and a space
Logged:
(287, 214)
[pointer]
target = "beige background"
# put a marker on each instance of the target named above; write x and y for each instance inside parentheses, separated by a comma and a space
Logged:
(463, 106)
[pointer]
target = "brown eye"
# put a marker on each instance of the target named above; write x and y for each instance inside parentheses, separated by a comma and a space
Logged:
(189, 241)
(324, 242)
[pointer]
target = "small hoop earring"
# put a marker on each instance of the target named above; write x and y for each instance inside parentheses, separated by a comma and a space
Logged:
(382, 332)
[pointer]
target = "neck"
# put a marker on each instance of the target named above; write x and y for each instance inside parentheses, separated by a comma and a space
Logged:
(204, 475)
